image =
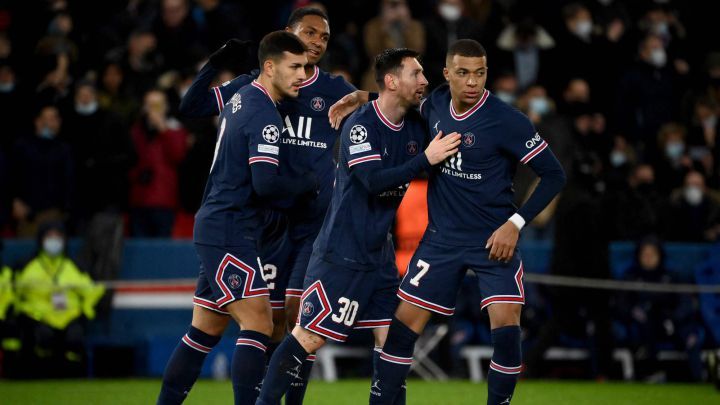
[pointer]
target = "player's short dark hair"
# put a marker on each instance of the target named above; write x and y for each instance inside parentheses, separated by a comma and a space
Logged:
(298, 14)
(466, 47)
(390, 60)
(274, 44)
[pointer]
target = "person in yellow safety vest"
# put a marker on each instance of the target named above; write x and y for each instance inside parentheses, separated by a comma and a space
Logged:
(6, 291)
(55, 294)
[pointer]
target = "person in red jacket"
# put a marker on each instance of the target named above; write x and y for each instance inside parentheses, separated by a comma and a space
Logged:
(160, 143)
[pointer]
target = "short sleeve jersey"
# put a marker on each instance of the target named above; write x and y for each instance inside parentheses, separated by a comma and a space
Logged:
(249, 133)
(307, 141)
(470, 195)
(356, 229)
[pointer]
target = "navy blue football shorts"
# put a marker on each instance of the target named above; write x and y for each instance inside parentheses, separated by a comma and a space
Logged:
(436, 271)
(275, 254)
(338, 299)
(228, 274)
(299, 261)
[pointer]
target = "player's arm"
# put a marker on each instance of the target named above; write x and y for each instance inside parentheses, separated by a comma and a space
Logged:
(264, 160)
(530, 149)
(346, 105)
(365, 162)
(201, 102)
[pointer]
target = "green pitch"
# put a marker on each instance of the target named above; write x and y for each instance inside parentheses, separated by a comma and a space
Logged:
(108, 392)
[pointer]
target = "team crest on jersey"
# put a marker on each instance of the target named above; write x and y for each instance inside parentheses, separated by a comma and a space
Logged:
(271, 134)
(358, 134)
(235, 281)
(236, 102)
(468, 139)
(308, 308)
(317, 104)
(412, 148)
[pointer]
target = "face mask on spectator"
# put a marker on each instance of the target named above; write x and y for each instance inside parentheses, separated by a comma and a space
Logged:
(7, 87)
(583, 29)
(710, 122)
(506, 96)
(86, 109)
(693, 195)
(674, 149)
(617, 158)
(53, 246)
(539, 105)
(450, 12)
(662, 29)
(47, 133)
(658, 57)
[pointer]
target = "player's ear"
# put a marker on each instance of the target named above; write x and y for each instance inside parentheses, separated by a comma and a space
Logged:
(390, 82)
(446, 73)
(268, 67)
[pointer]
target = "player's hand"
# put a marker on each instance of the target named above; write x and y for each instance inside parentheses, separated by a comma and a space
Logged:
(502, 242)
(442, 147)
(231, 53)
(345, 106)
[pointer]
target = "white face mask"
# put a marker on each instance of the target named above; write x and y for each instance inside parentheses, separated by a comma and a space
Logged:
(450, 12)
(710, 122)
(658, 57)
(539, 105)
(505, 96)
(7, 87)
(86, 109)
(617, 158)
(53, 246)
(674, 149)
(693, 195)
(583, 29)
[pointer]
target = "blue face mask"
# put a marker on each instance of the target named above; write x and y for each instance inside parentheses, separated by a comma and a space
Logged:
(674, 150)
(505, 96)
(47, 133)
(617, 158)
(539, 105)
(7, 87)
(86, 109)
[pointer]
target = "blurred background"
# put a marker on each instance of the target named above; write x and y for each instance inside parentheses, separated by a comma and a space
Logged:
(100, 176)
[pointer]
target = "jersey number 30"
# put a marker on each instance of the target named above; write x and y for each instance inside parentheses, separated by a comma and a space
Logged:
(346, 313)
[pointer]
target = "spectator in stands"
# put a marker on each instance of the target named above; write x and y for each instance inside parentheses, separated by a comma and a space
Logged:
(672, 162)
(446, 25)
(55, 298)
(646, 99)
(694, 212)
(638, 207)
(140, 61)
(393, 28)
(505, 87)
(654, 320)
(160, 143)
(703, 147)
(114, 95)
(55, 86)
(524, 48)
(178, 36)
(103, 156)
(14, 105)
(43, 175)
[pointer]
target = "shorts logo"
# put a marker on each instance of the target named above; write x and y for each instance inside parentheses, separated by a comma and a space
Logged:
(317, 104)
(358, 134)
(235, 281)
(308, 308)
(271, 134)
(468, 139)
(412, 148)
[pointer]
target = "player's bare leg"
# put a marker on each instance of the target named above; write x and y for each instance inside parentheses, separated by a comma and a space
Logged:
(186, 361)
(292, 307)
(254, 316)
(506, 363)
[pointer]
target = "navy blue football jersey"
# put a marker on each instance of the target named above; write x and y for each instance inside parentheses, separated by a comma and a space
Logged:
(249, 133)
(470, 195)
(356, 229)
(307, 141)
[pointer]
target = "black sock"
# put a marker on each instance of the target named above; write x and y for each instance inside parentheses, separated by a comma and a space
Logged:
(248, 366)
(505, 365)
(394, 364)
(285, 365)
(296, 392)
(184, 366)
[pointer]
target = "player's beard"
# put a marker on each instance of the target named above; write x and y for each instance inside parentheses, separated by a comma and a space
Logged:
(285, 89)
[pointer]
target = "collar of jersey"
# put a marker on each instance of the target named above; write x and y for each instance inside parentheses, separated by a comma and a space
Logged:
(384, 119)
(263, 89)
(312, 78)
(480, 103)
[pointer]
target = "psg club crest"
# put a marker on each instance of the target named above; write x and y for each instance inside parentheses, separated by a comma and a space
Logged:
(358, 134)
(317, 104)
(412, 148)
(235, 281)
(468, 139)
(271, 134)
(308, 308)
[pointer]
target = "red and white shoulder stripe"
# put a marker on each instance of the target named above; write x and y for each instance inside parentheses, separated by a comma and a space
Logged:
(264, 159)
(363, 159)
(536, 151)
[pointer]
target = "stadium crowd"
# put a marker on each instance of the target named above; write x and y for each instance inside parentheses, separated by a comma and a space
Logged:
(626, 92)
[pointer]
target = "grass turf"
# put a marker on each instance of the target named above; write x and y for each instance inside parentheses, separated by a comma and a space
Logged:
(356, 392)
